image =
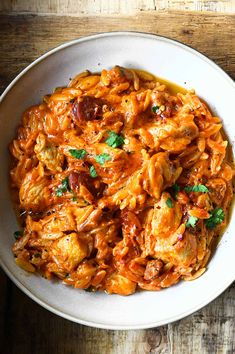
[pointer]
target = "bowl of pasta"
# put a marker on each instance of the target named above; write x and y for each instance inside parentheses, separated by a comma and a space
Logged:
(117, 180)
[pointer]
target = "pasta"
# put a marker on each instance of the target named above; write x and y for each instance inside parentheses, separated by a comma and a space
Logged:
(120, 183)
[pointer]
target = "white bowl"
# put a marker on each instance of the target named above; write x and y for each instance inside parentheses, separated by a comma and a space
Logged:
(167, 59)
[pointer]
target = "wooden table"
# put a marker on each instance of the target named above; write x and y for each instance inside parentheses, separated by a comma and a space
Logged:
(25, 327)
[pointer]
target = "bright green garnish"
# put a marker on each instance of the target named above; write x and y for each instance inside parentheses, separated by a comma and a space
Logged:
(64, 187)
(176, 189)
(18, 234)
(155, 108)
(197, 188)
(102, 158)
(216, 218)
(169, 203)
(93, 172)
(89, 290)
(114, 140)
(78, 154)
(191, 221)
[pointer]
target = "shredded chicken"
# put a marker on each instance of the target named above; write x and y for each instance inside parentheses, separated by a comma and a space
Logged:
(121, 183)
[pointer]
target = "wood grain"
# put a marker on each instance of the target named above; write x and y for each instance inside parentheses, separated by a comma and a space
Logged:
(25, 327)
(30, 36)
(31, 329)
(5, 286)
(123, 7)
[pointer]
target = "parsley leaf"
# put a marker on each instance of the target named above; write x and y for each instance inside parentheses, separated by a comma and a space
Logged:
(114, 140)
(65, 183)
(216, 218)
(74, 199)
(18, 234)
(155, 108)
(93, 172)
(169, 203)
(191, 221)
(78, 154)
(102, 158)
(197, 188)
(64, 187)
(176, 189)
(89, 290)
(59, 192)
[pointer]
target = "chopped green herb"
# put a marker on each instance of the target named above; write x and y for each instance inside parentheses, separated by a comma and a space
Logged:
(191, 221)
(59, 192)
(197, 188)
(102, 158)
(155, 108)
(93, 172)
(114, 140)
(216, 218)
(65, 183)
(169, 203)
(175, 189)
(37, 255)
(89, 290)
(18, 234)
(78, 154)
(74, 199)
(64, 187)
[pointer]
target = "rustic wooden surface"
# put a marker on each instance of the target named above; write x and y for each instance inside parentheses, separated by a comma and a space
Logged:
(89, 7)
(25, 327)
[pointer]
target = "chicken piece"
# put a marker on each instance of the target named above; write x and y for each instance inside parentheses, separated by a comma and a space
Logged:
(34, 191)
(174, 135)
(33, 118)
(113, 166)
(83, 275)
(227, 172)
(192, 103)
(180, 251)
(166, 218)
(105, 236)
(59, 221)
(69, 251)
(63, 219)
(48, 154)
(130, 193)
(217, 188)
(132, 109)
(86, 218)
(159, 172)
(218, 151)
(165, 236)
(118, 284)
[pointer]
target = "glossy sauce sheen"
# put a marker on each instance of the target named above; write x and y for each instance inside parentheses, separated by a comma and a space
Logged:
(172, 87)
(123, 182)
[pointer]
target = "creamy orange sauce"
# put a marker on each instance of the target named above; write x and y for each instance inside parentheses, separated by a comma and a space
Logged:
(117, 178)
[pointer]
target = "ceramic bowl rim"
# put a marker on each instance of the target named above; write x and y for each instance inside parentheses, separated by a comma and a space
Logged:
(24, 288)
